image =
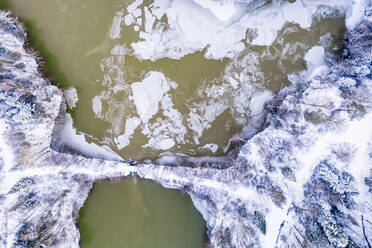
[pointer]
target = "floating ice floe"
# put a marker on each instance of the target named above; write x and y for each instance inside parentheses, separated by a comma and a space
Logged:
(97, 106)
(212, 147)
(130, 126)
(115, 31)
(71, 97)
(148, 94)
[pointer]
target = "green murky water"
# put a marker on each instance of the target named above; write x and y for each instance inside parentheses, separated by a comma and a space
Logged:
(74, 37)
(139, 214)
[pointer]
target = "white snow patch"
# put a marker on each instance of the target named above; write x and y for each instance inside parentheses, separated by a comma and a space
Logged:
(136, 13)
(274, 218)
(223, 10)
(315, 56)
(296, 12)
(163, 133)
(315, 62)
(129, 19)
(159, 7)
(68, 136)
(202, 207)
(131, 7)
(148, 93)
(116, 26)
(356, 15)
(71, 97)
(131, 125)
(97, 106)
(189, 31)
(258, 102)
(5, 151)
(166, 159)
(149, 20)
(165, 144)
(212, 147)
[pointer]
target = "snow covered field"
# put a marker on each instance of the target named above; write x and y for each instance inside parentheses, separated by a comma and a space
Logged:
(305, 180)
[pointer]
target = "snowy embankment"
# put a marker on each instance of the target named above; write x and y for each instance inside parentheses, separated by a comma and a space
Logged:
(305, 180)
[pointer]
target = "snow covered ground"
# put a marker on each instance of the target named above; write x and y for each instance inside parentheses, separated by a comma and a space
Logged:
(305, 180)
